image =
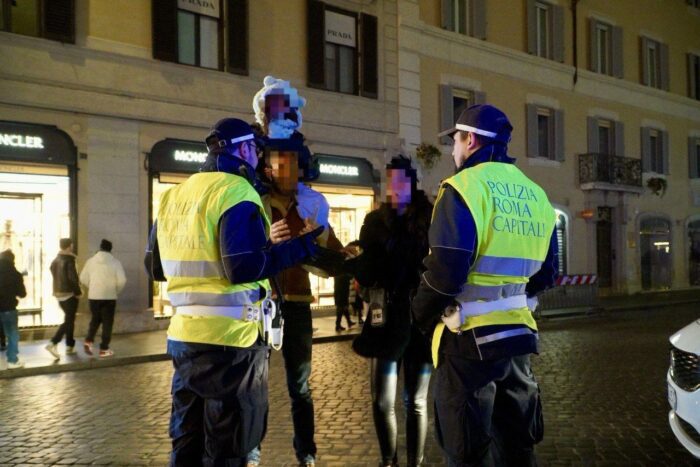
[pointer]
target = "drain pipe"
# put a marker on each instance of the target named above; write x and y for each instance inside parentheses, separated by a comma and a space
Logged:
(574, 8)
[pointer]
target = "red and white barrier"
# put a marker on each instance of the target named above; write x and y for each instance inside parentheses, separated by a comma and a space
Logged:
(577, 279)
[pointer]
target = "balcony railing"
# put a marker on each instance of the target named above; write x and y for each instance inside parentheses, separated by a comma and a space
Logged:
(606, 171)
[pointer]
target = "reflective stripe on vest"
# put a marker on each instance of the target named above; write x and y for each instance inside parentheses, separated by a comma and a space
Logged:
(473, 292)
(507, 266)
(188, 223)
(174, 268)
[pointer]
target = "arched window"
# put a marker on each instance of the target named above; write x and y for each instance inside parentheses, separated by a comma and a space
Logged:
(694, 254)
(655, 248)
(562, 226)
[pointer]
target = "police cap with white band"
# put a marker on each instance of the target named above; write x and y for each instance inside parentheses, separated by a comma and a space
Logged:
(485, 120)
(228, 132)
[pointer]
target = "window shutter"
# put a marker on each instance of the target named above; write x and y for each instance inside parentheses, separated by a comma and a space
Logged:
(664, 151)
(447, 119)
(558, 33)
(691, 76)
(619, 135)
(559, 135)
(643, 45)
(646, 150)
(618, 66)
(664, 71)
(316, 45)
(447, 13)
(593, 142)
(593, 46)
(692, 157)
(478, 18)
(237, 36)
(479, 97)
(531, 28)
(164, 13)
(59, 20)
(368, 25)
(532, 143)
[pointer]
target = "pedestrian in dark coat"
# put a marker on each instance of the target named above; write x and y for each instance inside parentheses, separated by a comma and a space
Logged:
(394, 240)
(11, 287)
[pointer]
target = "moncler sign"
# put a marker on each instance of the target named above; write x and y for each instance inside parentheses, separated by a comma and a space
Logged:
(202, 7)
(340, 29)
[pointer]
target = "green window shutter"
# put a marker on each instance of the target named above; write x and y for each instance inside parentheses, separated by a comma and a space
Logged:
(370, 73)
(557, 38)
(531, 28)
(593, 143)
(316, 50)
(618, 66)
(619, 135)
(237, 36)
(447, 18)
(559, 153)
(447, 119)
(164, 27)
(592, 46)
(478, 18)
(532, 141)
(59, 20)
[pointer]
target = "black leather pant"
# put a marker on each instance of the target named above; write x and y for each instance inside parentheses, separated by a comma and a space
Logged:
(383, 381)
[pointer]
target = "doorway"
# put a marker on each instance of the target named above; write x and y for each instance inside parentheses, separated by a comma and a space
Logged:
(655, 248)
(605, 253)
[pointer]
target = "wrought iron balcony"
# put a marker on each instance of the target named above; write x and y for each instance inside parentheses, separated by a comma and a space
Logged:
(606, 172)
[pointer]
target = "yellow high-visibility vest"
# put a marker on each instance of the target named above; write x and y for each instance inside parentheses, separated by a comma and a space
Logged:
(188, 240)
(514, 224)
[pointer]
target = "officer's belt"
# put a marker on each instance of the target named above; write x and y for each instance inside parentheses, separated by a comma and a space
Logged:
(241, 312)
(467, 309)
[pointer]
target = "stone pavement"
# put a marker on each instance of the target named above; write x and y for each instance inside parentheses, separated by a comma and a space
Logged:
(602, 381)
(133, 348)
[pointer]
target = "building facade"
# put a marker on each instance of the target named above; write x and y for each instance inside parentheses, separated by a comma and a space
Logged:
(104, 105)
(603, 97)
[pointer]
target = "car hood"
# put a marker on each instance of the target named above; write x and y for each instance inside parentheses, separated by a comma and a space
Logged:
(688, 338)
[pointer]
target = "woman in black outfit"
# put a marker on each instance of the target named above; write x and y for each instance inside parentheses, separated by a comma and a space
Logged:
(394, 240)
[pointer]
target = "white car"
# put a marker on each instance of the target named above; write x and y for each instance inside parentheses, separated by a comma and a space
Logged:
(684, 387)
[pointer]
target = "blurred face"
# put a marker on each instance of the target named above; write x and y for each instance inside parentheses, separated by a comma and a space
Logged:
(282, 117)
(398, 190)
(284, 170)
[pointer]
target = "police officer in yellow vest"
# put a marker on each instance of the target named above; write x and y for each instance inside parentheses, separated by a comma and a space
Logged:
(210, 241)
(492, 249)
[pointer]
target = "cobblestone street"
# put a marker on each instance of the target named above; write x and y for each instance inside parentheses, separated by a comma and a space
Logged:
(602, 379)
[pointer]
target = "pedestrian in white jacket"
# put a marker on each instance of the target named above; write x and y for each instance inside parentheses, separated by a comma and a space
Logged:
(104, 277)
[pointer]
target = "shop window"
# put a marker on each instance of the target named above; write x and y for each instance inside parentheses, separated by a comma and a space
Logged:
(545, 132)
(453, 101)
(562, 226)
(342, 50)
(654, 151)
(655, 248)
(190, 32)
(694, 256)
(694, 76)
(654, 63)
(466, 17)
(694, 157)
(545, 30)
(605, 48)
(50, 19)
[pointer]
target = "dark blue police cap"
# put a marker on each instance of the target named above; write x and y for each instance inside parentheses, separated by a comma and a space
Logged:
(485, 120)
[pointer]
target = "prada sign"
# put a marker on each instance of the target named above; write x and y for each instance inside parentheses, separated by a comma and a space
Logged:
(340, 29)
(201, 7)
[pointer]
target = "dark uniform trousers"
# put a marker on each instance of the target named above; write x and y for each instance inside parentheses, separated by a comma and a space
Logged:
(220, 403)
(487, 412)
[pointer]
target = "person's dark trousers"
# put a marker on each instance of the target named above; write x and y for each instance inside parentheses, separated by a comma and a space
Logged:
(102, 314)
(220, 403)
(69, 307)
(474, 399)
(341, 311)
(296, 350)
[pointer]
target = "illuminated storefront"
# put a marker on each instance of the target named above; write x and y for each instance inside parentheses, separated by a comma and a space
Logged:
(37, 207)
(349, 185)
(170, 162)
